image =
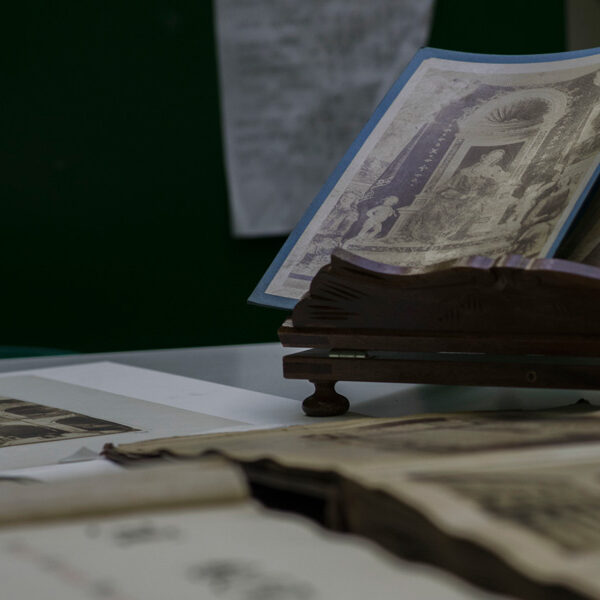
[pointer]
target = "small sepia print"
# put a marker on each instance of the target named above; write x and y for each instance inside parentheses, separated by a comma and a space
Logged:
(23, 422)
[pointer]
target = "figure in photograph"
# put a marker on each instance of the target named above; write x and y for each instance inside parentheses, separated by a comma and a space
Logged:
(376, 217)
(462, 200)
(480, 178)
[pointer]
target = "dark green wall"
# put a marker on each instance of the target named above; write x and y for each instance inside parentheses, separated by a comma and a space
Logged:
(499, 27)
(115, 221)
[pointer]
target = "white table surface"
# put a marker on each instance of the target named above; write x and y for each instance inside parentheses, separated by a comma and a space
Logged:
(258, 367)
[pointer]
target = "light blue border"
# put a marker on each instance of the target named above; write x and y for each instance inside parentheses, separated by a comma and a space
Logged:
(259, 296)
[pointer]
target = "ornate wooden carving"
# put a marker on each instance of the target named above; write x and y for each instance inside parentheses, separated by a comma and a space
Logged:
(502, 310)
(473, 295)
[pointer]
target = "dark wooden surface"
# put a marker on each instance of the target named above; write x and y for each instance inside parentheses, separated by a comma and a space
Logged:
(371, 339)
(511, 295)
(512, 322)
(447, 369)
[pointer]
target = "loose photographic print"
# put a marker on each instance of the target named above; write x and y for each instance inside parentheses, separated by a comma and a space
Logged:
(45, 421)
(23, 422)
(468, 155)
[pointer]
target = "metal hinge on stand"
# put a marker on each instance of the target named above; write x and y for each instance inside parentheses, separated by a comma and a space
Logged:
(348, 354)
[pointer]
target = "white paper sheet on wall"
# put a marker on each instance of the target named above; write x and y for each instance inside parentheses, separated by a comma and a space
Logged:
(298, 82)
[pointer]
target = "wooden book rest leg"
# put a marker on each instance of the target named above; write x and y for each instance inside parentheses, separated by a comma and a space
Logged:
(325, 402)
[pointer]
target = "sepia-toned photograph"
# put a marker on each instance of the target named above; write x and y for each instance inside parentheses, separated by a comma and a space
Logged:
(489, 160)
(23, 422)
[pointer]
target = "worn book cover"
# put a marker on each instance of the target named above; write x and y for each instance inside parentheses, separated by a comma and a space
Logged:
(466, 155)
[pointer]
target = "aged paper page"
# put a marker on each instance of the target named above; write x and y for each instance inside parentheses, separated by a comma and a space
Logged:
(298, 82)
(537, 509)
(205, 482)
(351, 447)
(214, 552)
(470, 158)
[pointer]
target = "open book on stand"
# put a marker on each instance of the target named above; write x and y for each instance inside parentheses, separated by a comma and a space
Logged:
(467, 154)
(444, 220)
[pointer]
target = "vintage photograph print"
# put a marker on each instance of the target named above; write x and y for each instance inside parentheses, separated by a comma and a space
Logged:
(23, 422)
(467, 155)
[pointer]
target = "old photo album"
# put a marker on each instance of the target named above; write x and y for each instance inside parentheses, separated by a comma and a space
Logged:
(467, 154)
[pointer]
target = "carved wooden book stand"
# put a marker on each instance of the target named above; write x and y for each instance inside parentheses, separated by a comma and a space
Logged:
(510, 322)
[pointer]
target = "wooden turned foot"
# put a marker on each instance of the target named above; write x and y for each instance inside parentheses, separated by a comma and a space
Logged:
(325, 402)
